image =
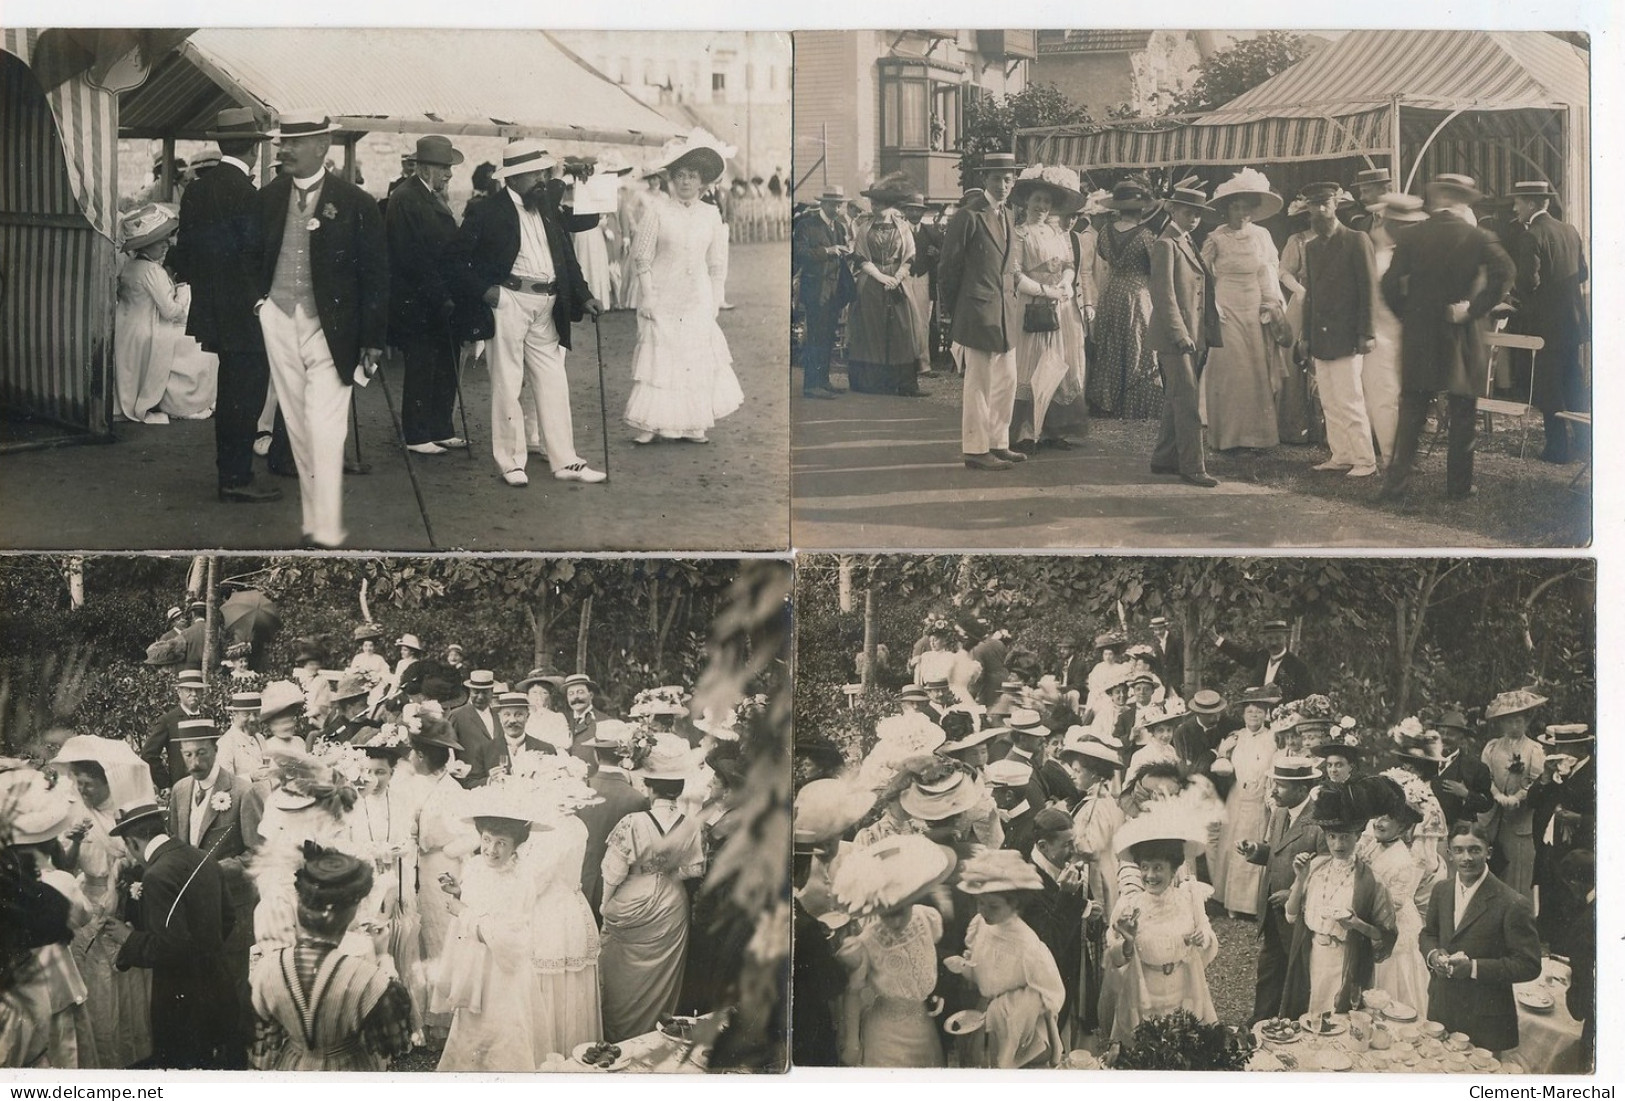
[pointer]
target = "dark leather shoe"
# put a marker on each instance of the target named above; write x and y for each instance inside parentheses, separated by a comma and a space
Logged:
(1155, 469)
(250, 493)
(1007, 455)
(1058, 444)
(821, 395)
(987, 461)
(353, 467)
(282, 471)
(1202, 480)
(1026, 447)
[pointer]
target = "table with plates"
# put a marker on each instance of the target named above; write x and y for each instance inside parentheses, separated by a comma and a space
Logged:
(1410, 1050)
(1545, 1027)
(654, 1052)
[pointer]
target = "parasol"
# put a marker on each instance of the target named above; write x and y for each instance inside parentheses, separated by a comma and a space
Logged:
(249, 613)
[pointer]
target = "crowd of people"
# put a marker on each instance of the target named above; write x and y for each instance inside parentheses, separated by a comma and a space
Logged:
(352, 867)
(273, 302)
(1026, 863)
(1060, 305)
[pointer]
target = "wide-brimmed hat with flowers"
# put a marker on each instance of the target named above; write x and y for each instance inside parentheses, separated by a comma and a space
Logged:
(1165, 820)
(148, 224)
(1080, 742)
(1513, 703)
(279, 697)
(892, 872)
(892, 188)
(668, 699)
(907, 735)
(37, 811)
(995, 871)
(670, 758)
(1172, 710)
(1062, 183)
(935, 800)
(1248, 183)
(700, 150)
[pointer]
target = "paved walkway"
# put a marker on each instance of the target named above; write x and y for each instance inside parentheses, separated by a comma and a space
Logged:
(872, 472)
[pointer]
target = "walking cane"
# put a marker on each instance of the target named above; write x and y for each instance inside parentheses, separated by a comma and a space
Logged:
(462, 407)
(603, 406)
(411, 472)
(355, 432)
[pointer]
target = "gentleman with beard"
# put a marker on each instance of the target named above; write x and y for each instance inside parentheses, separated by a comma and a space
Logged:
(522, 287)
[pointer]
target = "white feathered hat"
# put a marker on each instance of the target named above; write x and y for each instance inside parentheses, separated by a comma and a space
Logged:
(1249, 181)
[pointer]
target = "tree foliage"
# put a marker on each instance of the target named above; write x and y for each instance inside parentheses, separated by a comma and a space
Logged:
(1387, 635)
(991, 121)
(1227, 73)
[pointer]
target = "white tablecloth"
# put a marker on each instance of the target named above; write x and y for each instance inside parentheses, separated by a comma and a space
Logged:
(1542, 1037)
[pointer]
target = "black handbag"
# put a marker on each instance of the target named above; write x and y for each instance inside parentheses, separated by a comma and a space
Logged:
(1040, 316)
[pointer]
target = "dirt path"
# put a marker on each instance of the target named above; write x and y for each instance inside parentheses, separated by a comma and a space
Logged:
(155, 488)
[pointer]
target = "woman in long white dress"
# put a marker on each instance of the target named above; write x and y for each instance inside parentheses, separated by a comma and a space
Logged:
(1386, 849)
(683, 379)
(1160, 941)
(1250, 753)
(1238, 383)
(383, 829)
(444, 839)
(1049, 365)
(645, 907)
(161, 372)
(565, 943)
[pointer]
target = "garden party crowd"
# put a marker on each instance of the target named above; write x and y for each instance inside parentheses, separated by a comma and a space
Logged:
(1024, 865)
(398, 858)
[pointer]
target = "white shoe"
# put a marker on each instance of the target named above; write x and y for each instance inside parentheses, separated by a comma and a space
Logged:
(155, 417)
(579, 472)
(516, 477)
(426, 448)
(1332, 464)
(644, 437)
(1362, 472)
(454, 443)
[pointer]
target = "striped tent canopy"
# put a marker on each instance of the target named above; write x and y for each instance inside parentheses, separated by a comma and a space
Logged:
(397, 80)
(1517, 99)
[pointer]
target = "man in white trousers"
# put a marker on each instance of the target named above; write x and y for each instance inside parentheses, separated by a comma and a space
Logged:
(976, 281)
(323, 267)
(522, 287)
(1339, 285)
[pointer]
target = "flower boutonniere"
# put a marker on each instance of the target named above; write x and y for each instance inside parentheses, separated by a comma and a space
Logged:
(313, 225)
(329, 211)
(221, 801)
(135, 890)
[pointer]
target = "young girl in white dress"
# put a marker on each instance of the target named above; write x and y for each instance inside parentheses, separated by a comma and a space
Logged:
(161, 371)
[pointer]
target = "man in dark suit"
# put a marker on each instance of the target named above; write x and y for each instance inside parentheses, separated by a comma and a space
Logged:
(213, 253)
(323, 268)
(1565, 821)
(618, 798)
(1430, 287)
(520, 287)
(1290, 830)
(1056, 914)
(348, 718)
(180, 925)
(579, 697)
(821, 243)
(1578, 871)
(1273, 663)
(977, 278)
(1168, 647)
(1184, 325)
(1197, 738)
(1479, 939)
(1463, 785)
(421, 228)
(1016, 792)
(160, 750)
(1340, 279)
(476, 726)
(1551, 270)
(1370, 185)
(218, 814)
(512, 746)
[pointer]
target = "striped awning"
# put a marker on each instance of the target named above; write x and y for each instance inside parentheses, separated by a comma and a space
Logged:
(394, 80)
(1339, 101)
(86, 120)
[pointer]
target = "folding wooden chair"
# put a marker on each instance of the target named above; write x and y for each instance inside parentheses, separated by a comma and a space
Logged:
(1491, 406)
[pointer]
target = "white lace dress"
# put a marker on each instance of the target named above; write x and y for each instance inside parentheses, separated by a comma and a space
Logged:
(564, 941)
(683, 380)
(895, 973)
(1404, 974)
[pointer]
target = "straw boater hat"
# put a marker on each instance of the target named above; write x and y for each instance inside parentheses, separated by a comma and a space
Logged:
(1264, 695)
(302, 124)
(480, 680)
(204, 158)
(1009, 774)
(933, 801)
(1567, 735)
(1513, 703)
(1370, 176)
(833, 193)
(913, 693)
(1251, 183)
(1402, 209)
(1189, 196)
(999, 162)
(148, 224)
(1025, 720)
(411, 642)
(892, 873)
(196, 730)
(190, 678)
(173, 614)
(523, 155)
(1290, 769)
(128, 817)
(511, 699)
(580, 678)
(1065, 189)
(1208, 702)
(826, 809)
(996, 871)
(1131, 194)
(701, 150)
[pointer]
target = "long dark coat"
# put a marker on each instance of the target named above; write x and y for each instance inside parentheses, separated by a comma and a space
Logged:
(181, 923)
(1551, 269)
(1361, 955)
(420, 228)
(214, 253)
(1436, 263)
(482, 256)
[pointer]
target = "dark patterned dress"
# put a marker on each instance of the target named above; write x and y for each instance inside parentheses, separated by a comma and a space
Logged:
(882, 349)
(1126, 383)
